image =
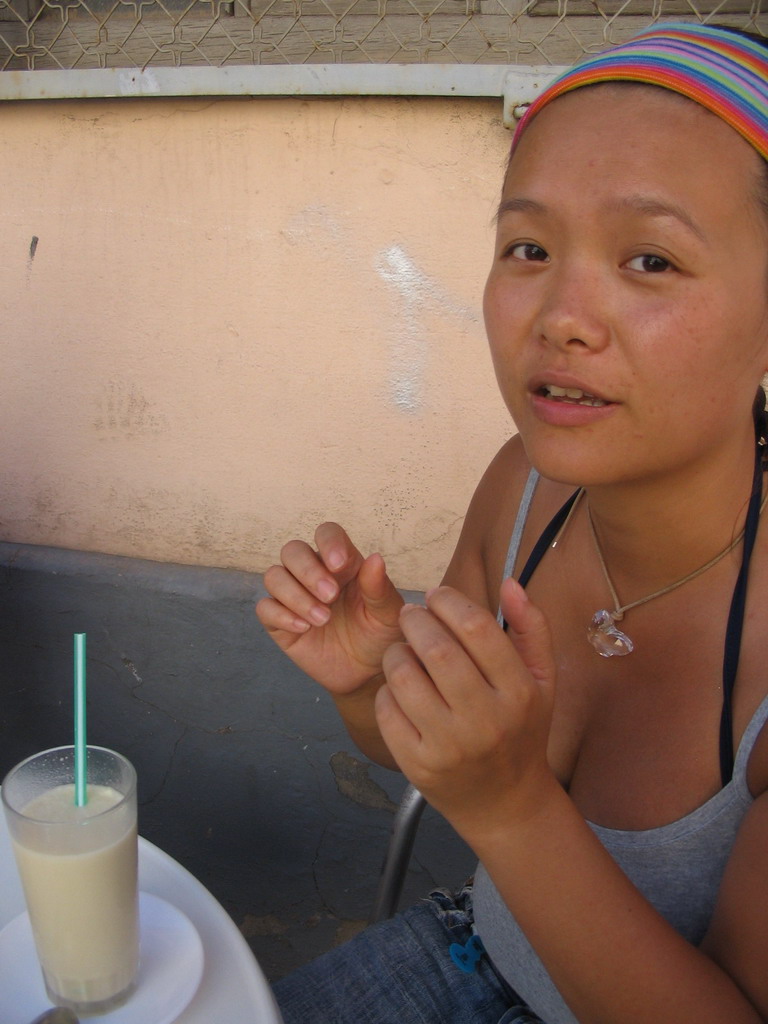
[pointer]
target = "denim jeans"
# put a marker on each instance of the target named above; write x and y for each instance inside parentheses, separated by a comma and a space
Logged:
(405, 971)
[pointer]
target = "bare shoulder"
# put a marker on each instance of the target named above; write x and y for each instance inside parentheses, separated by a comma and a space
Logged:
(738, 934)
(488, 517)
(478, 562)
(752, 680)
(503, 480)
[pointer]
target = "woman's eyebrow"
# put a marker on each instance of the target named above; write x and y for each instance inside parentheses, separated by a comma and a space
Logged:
(649, 206)
(652, 206)
(518, 204)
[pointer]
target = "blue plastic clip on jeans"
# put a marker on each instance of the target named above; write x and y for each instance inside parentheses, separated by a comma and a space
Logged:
(468, 956)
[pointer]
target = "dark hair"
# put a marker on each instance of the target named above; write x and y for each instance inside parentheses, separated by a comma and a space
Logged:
(756, 37)
(760, 417)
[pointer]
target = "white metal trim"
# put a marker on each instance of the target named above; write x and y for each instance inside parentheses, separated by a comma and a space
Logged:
(517, 86)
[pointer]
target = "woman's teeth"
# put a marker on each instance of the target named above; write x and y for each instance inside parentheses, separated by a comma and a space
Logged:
(574, 395)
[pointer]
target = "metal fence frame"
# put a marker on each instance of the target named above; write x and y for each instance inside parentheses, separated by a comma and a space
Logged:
(515, 87)
(503, 48)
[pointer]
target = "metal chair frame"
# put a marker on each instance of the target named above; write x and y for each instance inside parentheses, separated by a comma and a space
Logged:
(401, 839)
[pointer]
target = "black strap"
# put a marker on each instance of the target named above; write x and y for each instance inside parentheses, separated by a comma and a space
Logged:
(735, 617)
(736, 622)
(544, 541)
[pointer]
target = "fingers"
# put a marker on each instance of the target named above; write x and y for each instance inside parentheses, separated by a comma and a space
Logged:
(339, 557)
(436, 701)
(466, 708)
(393, 721)
(460, 644)
(476, 629)
(434, 669)
(291, 607)
(457, 658)
(300, 592)
(411, 684)
(381, 597)
(308, 580)
(529, 632)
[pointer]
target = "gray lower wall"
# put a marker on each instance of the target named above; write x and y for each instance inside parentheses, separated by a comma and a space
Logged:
(245, 775)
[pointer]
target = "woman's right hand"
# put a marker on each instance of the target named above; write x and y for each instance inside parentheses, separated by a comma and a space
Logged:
(333, 612)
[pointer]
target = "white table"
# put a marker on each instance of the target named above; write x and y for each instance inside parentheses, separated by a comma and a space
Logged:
(232, 989)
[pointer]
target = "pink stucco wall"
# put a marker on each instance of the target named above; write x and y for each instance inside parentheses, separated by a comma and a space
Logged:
(227, 320)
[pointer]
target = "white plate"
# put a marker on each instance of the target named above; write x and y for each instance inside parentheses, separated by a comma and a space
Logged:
(169, 973)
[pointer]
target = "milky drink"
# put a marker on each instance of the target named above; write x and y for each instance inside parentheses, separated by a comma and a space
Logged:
(78, 867)
(81, 895)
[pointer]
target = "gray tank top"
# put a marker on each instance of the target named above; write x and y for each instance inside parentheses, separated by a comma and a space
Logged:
(678, 867)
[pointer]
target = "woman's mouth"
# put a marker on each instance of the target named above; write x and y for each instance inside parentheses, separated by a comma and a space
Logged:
(570, 396)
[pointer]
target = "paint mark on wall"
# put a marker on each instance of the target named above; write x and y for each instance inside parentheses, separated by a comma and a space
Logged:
(311, 223)
(31, 256)
(416, 293)
(125, 412)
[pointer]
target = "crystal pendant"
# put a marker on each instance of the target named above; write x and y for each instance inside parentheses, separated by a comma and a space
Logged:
(608, 641)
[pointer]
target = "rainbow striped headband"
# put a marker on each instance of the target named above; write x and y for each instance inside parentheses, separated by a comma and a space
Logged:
(723, 71)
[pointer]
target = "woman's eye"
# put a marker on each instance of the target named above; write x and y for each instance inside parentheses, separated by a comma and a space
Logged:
(528, 252)
(649, 264)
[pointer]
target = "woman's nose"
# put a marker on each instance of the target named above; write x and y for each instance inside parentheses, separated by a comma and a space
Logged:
(574, 311)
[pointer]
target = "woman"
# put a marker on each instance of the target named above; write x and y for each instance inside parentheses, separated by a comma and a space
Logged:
(586, 751)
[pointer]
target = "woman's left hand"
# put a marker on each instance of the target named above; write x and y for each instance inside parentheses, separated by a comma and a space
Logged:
(466, 708)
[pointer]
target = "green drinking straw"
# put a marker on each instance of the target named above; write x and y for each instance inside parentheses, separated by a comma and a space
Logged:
(81, 753)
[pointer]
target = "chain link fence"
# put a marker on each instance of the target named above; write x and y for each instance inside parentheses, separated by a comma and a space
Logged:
(85, 34)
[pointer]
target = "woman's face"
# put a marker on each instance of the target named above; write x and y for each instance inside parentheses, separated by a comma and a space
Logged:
(627, 304)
